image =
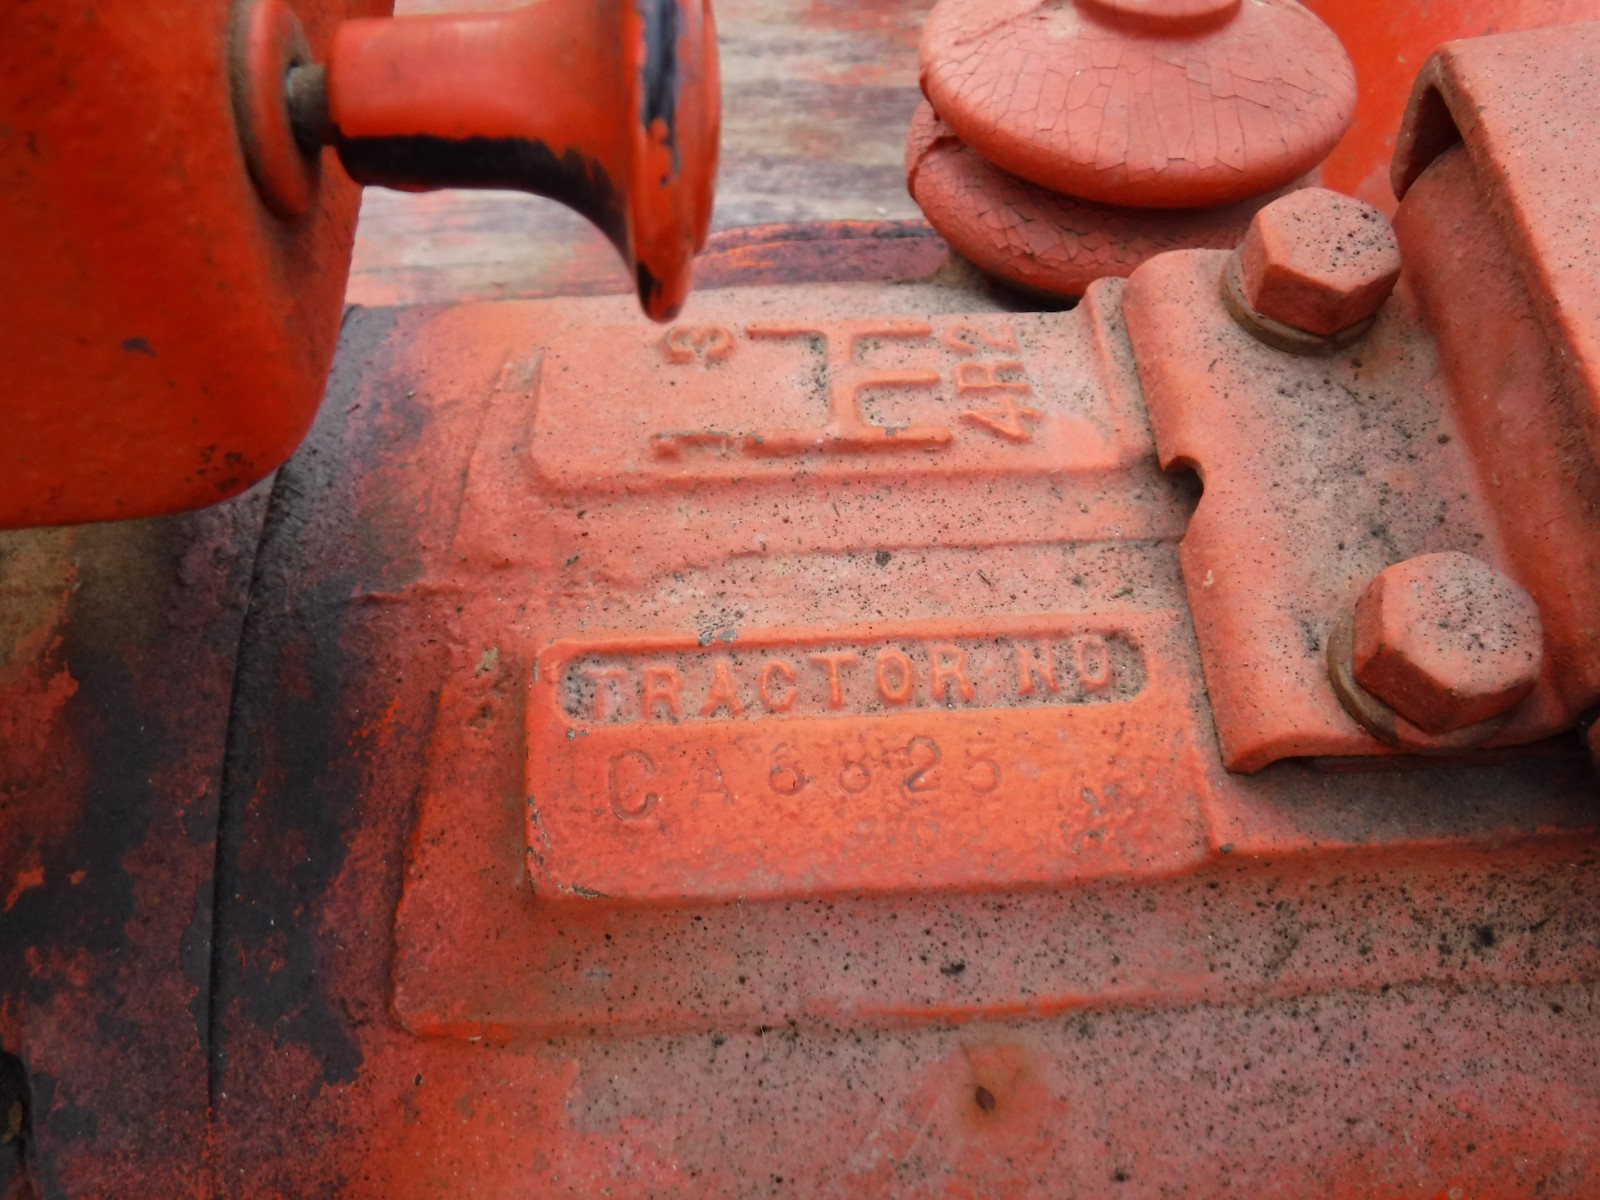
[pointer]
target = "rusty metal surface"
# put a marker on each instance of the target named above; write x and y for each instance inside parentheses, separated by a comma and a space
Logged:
(787, 754)
(1237, 959)
(117, 646)
(1217, 961)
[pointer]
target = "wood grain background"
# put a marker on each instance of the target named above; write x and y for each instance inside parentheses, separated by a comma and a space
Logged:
(817, 96)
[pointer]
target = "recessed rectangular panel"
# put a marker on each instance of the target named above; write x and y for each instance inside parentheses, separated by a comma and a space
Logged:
(750, 399)
(920, 755)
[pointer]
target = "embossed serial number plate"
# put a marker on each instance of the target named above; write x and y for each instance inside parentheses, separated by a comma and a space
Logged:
(789, 763)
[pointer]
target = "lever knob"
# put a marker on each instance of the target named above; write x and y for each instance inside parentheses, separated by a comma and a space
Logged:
(609, 106)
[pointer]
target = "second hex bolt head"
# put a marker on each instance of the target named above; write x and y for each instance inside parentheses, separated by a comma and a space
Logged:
(1318, 261)
(1447, 641)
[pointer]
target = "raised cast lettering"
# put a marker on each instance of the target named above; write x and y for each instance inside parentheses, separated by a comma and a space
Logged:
(858, 372)
(1003, 382)
(1035, 660)
(684, 344)
(723, 693)
(775, 668)
(600, 677)
(896, 676)
(845, 429)
(950, 669)
(756, 680)
(831, 661)
(1092, 658)
(967, 340)
(661, 686)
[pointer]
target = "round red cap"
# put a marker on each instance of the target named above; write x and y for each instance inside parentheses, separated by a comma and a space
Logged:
(1143, 103)
(1043, 241)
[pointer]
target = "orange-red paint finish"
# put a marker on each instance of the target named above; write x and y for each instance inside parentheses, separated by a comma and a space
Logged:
(1042, 240)
(1318, 262)
(1446, 641)
(707, 815)
(786, 753)
(177, 260)
(1309, 494)
(268, 42)
(609, 106)
(165, 335)
(1063, 143)
(1388, 43)
(439, 967)
(1212, 106)
(412, 993)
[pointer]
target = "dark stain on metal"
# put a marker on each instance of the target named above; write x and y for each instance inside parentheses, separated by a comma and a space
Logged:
(521, 164)
(15, 1111)
(288, 720)
(116, 814)
(649, 286)
(659, 74)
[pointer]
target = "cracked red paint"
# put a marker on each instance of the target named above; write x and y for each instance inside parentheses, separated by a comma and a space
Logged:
(1055, 95)
(1043, 240)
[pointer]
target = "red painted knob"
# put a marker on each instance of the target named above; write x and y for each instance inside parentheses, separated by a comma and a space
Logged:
(1041, 240)
(1144, 103)
(610, 106)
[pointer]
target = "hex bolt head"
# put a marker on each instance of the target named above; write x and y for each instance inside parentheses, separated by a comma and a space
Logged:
(1318, 261)
(1447, 641)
